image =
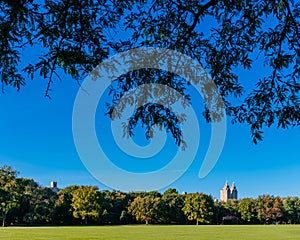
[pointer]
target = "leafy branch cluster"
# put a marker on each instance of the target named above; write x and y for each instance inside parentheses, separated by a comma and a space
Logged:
(226, 37)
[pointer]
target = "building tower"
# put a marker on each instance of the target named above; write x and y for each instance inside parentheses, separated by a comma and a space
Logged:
(233, 192)
(228, 193)
(53, 184)
(54, 187)
(225, 193)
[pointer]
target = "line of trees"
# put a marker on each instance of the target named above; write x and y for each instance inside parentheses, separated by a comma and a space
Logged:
(23, 201)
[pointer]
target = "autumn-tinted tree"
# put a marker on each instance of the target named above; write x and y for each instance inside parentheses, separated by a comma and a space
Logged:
(269, 208)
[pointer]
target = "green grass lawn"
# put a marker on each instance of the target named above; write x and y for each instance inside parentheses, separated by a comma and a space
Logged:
(154, 232)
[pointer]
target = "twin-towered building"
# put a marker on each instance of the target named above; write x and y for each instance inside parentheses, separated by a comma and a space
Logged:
(228, 193)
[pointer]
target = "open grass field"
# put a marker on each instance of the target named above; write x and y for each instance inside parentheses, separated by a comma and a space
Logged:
(267, 232)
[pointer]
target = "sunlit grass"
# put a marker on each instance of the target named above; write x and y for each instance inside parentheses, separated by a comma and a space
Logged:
(154, 232)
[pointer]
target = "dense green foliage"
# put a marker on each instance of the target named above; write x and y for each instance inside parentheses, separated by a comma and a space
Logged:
(86, 203)
(144, 208)
(8, 191)
(23, 201)
(199, 207)
(290, 232)
(225, 37)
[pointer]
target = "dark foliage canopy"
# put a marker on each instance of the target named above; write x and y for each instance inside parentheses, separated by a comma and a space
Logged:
(76, 35)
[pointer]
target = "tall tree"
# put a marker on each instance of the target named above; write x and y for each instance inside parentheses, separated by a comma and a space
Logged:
(247, 211)
(16, 215)
(199, 207)
(269, 208)
(219, 212)
(8, 191)
(115, 207)
(170, 207)
(75, 36)
(291, 206)
(40, 203)
(231, 206)
(144, 208)
(86, 203)
(63, 206)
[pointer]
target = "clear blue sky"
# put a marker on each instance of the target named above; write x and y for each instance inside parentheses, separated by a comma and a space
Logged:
(36, 139)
